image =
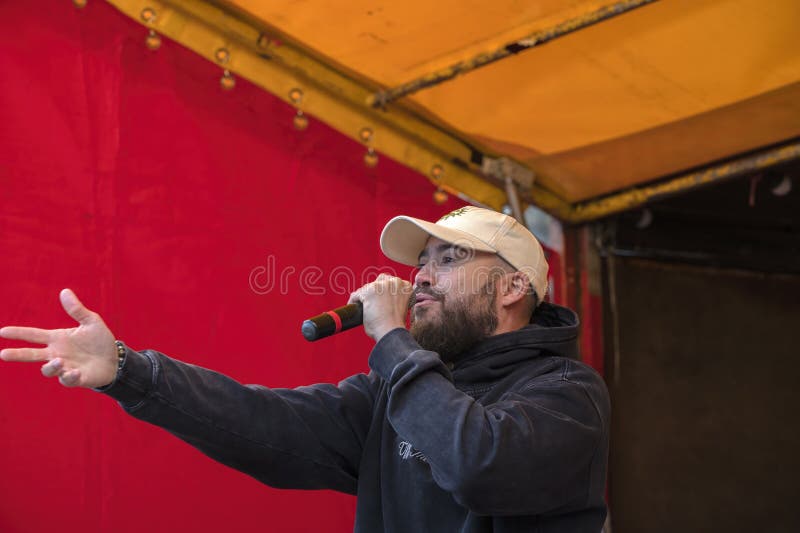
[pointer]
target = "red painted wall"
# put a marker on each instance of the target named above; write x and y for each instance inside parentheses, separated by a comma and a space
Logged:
(131, 177)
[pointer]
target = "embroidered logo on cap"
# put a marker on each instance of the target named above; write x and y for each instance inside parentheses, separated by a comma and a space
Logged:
(454, 213)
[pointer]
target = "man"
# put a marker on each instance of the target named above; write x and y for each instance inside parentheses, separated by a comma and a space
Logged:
(477, 419)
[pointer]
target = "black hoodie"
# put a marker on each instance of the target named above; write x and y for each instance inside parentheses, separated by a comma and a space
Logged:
(514, 438)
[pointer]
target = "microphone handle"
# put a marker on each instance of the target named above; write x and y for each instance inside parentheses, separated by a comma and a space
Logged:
(331, 322)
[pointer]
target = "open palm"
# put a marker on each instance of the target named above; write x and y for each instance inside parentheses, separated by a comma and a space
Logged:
(83, 356)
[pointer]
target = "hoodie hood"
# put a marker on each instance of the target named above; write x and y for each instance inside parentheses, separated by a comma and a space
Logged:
(553, 331)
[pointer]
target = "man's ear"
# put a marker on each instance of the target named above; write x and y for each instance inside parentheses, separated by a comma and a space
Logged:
(515, 288)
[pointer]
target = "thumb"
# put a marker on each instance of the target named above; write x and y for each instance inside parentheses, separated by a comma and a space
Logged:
(74, 307)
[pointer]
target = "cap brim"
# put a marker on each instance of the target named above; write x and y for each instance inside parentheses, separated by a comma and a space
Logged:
(403, 238)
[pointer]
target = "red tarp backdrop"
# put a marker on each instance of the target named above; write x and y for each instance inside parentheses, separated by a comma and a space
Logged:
(169, 206)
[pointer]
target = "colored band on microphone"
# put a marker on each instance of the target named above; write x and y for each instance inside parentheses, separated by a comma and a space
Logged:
(336, 320)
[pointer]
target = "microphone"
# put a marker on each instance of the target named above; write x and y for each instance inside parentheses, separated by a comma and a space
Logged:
(331, 322)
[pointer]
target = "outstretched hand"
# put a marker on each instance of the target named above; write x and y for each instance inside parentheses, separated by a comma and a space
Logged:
(83, 356)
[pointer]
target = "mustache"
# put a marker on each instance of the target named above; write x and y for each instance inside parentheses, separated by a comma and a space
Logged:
(426, 291)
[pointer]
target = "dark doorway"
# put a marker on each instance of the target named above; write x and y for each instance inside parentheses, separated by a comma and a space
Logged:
(702, 316)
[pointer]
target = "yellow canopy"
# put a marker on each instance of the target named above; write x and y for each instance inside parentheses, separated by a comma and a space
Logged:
(638, 92)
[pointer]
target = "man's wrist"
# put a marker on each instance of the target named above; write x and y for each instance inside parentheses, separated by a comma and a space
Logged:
(393, 349)
(136, 379)
(381, 331)
(120, 351)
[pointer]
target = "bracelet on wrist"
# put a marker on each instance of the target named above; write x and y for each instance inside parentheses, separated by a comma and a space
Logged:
(120, 355)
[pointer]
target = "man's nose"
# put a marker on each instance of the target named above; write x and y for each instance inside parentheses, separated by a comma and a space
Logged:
(424, 276)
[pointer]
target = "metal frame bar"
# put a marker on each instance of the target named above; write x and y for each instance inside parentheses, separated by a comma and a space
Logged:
(639, 196)
(537, 38)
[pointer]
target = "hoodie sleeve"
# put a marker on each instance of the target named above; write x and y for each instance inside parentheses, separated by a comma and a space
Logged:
(305, 438)
(534, 451)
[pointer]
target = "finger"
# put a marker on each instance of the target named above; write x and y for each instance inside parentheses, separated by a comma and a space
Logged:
(70, 378)
(74, 307)
(401, 287)
(355, 297)
(406, 286)
(52, 368)
(39, 336)
(25, 355)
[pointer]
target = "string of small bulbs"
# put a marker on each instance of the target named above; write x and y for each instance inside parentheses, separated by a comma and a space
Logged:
(300, 121)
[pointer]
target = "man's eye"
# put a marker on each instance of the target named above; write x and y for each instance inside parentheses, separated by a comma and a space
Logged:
(447, 259)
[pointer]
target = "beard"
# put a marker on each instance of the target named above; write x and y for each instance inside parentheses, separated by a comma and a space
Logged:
(462, 323)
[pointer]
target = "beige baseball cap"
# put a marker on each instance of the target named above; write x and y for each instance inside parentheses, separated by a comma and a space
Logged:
(472, 228)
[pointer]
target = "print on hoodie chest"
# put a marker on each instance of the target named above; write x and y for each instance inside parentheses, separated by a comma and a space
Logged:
(407, 452)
